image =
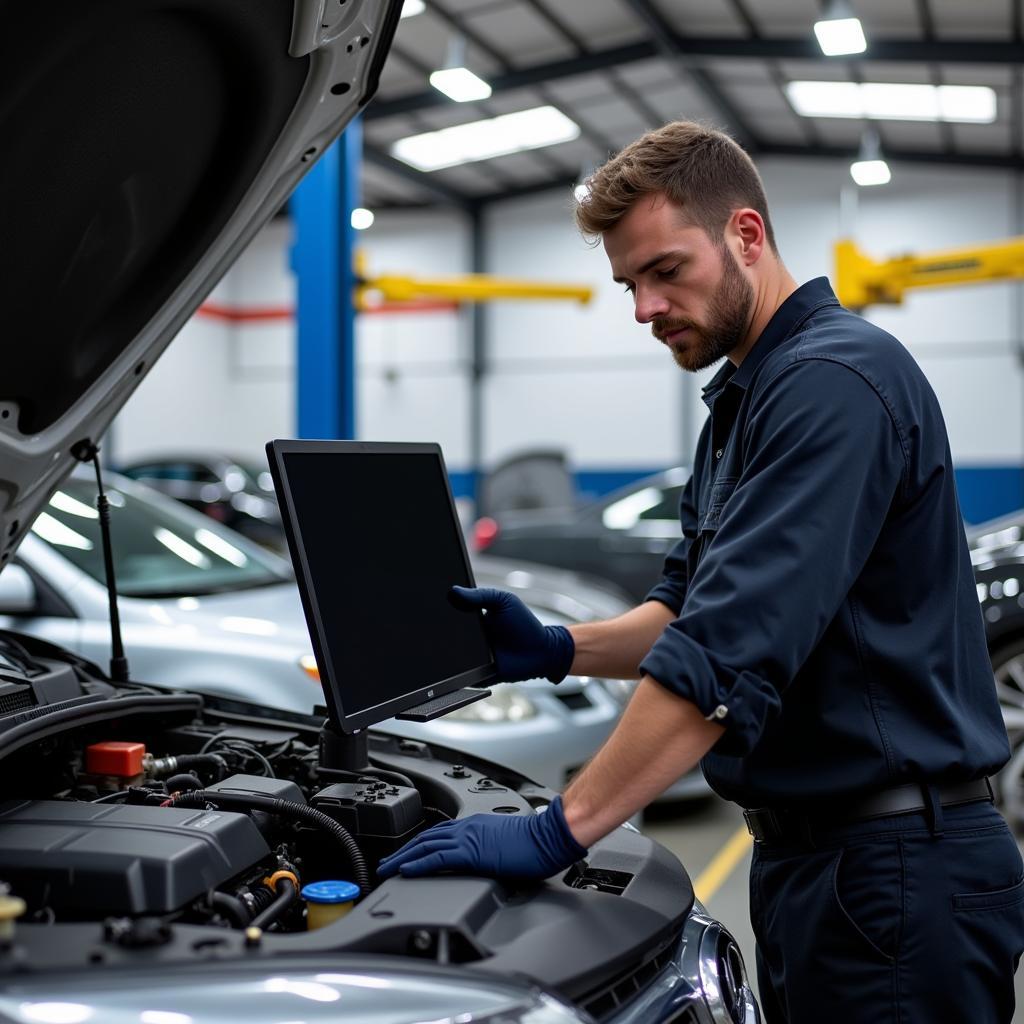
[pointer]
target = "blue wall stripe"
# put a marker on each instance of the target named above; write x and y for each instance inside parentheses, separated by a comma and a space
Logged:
(985, 491)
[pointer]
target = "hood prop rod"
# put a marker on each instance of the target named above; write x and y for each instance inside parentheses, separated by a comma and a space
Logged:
(86, 451)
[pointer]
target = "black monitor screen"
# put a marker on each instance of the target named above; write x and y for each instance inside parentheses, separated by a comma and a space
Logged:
(377, 546)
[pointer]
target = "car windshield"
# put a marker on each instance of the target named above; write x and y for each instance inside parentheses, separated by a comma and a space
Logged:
(160, 548)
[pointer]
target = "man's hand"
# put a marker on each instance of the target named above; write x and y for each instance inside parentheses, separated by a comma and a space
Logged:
(498, 845)
(523, 647)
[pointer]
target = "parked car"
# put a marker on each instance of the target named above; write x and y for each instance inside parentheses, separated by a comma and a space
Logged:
(623, 537)
(204, 608)
(130, 895)
(236, 492)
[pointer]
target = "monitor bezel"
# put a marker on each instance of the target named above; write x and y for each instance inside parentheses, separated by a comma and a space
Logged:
(350, 723)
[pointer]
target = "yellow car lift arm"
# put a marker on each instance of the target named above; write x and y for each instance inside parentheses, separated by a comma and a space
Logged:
(861, 281)
(463, 288)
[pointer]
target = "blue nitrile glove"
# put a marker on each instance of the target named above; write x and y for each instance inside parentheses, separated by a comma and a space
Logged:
(498, 845)
(524, 648)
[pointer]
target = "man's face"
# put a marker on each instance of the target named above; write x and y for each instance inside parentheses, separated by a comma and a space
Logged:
(690, 290)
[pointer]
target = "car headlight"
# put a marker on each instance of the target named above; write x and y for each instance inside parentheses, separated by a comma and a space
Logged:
(621, 689)
(505, 704)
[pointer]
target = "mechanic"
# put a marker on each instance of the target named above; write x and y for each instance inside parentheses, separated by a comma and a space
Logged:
(816, 641)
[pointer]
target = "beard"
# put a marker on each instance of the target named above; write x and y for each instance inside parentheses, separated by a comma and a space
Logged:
(727, 319)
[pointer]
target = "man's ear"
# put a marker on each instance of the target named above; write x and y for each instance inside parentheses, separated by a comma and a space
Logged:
(748, 235)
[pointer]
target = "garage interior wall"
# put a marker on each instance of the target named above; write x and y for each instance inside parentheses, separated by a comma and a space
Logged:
(590, 380)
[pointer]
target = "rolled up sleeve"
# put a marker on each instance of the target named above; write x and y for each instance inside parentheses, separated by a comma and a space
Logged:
(822, 466)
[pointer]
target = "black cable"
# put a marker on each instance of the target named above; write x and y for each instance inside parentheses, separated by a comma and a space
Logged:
(286, 893)
(286, 809)
(230, 907)
(107, 798)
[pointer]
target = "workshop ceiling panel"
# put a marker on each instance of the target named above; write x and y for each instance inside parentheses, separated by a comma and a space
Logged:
(520, 34)
(926, 135)
(990, 138)
(424, 43)
(643, 74)
(834, 131)
(782, 130)
(741, 70)
(893, 71)
(471, 179)
(785, 18)
(890, 19)
(971, 19)
(815, 70)
(582, 89)
(611, 114)
(702, 17)
(600, 22)
(997, 76)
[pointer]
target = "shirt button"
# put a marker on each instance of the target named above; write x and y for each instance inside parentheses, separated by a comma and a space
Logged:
(718, 714)
(719, 453)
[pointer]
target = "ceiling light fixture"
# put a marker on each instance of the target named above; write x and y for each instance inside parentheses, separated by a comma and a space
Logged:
(482, 140)
(870, 168)
(455, 80)
(362, 218)
(840, 32)
(892, 101)
(411, 8)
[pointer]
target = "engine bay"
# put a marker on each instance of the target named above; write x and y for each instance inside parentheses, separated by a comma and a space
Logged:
(142, 825)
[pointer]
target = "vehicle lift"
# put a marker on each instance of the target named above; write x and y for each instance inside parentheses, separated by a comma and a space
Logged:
(861, 281)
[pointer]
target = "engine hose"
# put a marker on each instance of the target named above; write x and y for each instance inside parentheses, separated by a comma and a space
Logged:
(230, 907)
(286, 893)
(183, 762)
(286, 809)
(183, 781)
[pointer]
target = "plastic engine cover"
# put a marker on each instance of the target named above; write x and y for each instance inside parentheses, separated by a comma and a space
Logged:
(108, 859)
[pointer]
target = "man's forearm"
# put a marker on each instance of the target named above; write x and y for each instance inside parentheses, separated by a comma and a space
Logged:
(614, 648)
(659, 738)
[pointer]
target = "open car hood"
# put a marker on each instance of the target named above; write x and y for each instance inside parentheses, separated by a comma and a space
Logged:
(146, 142)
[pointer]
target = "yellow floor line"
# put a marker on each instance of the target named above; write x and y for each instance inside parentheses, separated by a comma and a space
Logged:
(722, 865)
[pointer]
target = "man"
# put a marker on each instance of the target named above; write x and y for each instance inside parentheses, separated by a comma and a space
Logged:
(815, 642)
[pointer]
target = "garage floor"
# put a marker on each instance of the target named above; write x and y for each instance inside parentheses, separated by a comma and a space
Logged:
(707, 837)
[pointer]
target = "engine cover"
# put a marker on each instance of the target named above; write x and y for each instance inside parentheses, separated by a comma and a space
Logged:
(109, 859)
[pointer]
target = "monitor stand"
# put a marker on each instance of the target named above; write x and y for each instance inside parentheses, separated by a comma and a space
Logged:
(439, 706)
(348, 753)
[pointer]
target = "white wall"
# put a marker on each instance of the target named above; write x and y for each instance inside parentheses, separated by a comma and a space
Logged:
(588, 379)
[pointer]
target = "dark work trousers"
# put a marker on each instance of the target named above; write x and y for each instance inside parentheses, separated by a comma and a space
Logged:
(891, 920)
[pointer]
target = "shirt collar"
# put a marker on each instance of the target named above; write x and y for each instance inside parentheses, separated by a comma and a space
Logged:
(807, 299)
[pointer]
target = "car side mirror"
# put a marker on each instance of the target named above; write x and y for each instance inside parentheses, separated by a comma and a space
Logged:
(17, 592)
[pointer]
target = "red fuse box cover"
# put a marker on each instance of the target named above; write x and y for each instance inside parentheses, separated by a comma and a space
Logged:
(115, 758)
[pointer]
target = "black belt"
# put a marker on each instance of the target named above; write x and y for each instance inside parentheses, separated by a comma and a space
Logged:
(767, 824)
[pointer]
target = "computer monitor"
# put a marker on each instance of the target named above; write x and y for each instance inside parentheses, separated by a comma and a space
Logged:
(376, 544)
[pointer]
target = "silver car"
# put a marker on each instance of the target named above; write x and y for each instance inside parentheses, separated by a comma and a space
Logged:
(204, 609)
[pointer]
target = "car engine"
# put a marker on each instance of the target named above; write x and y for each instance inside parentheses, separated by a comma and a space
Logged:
(142, 826)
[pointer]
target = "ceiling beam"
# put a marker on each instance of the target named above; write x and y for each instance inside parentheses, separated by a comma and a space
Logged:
(434, 188)
(673, 47)
(949, 51)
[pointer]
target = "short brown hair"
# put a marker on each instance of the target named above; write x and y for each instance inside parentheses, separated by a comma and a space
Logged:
(701, 169)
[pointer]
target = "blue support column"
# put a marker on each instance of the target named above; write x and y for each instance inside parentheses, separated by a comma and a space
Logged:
(322, 260)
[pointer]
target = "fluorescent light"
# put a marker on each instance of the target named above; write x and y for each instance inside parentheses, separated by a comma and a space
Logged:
(460, 84)
(870, 172)
(362, 218)
(891, 101)
(412, 7)
(481, 140)
(841, 36)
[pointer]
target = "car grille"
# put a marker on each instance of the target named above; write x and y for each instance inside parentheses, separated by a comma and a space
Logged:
(606, 999)
(16, 701)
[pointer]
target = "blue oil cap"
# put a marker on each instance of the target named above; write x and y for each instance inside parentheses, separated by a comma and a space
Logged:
(330, 892)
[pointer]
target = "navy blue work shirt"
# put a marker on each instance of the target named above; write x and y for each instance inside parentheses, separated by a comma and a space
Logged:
(827, 611)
